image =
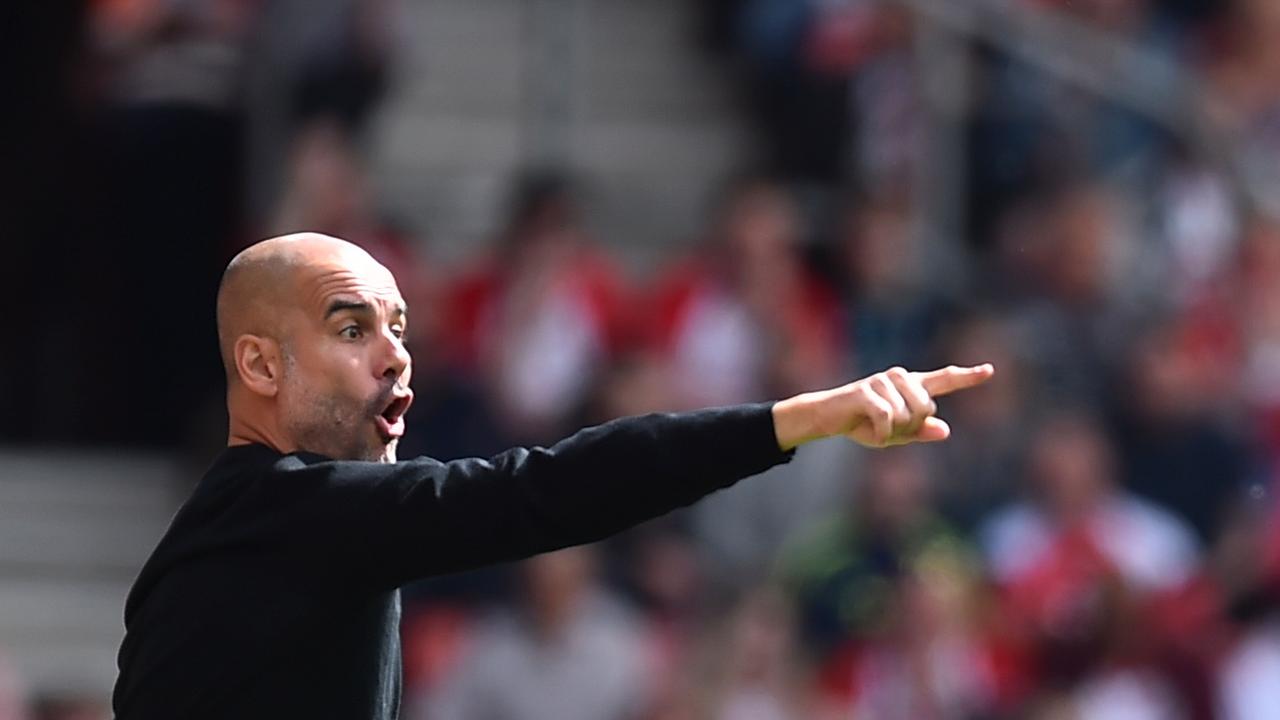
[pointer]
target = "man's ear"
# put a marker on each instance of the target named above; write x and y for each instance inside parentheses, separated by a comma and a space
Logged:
(257, 361)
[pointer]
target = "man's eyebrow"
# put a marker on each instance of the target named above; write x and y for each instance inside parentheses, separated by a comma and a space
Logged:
(338, 306)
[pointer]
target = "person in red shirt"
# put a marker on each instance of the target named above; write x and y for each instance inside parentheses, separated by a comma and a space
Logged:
(743, 315)
(540, 315)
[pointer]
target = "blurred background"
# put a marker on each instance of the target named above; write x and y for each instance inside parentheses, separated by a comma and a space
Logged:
(599, 208)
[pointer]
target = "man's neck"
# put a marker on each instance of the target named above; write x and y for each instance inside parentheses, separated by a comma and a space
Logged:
(243, 429)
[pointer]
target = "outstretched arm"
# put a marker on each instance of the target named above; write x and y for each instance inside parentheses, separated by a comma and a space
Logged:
(421, 517)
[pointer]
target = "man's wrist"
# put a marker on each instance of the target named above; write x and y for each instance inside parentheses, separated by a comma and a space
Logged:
(795, 421)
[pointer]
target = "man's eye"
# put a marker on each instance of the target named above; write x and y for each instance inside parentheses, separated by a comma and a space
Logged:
(398, 332)
(351, 332)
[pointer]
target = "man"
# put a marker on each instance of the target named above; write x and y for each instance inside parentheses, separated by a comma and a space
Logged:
(274, 592)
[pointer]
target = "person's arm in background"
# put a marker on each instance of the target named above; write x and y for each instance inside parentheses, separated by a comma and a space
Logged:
(400, 521)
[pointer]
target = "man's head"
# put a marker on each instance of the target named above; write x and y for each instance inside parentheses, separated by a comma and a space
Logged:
(311, 330)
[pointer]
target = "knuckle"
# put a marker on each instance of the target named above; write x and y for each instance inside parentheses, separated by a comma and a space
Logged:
(922, 394)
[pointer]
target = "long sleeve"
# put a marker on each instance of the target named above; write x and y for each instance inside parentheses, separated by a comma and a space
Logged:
(421, 517)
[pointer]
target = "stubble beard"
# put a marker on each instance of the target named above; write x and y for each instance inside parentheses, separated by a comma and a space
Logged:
(336, 427)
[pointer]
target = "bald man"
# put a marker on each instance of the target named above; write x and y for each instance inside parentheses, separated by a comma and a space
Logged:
(274, 593)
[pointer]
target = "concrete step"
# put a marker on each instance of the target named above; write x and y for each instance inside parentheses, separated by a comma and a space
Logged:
(34, 610)
(56, 477)
(74, 667)
(78, 541)
(651, 123)
(75, 528)
(436, 141)
(80, 513)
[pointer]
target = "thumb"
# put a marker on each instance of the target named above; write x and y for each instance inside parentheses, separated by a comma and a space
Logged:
(932, 430)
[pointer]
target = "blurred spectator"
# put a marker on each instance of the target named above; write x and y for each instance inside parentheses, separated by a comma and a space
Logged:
(310, 60)
(1071, 259)
(1080, 565)
(831, 87)
(1032, 129)
(1243, 74)
(750, 668)
(1247, 564)
(842, 571)
(885, 106)
(1199, 230)
(800, 113)
(929, 659)
(744, 318)
(662, 572)
(887, 601)
(345, 62)
(634, 384)
(891, 313)
(539, 316)
(1173, 446)
(1256, 305)
(1071, 469)
(570, 651)
(981, 472)
(326, 188)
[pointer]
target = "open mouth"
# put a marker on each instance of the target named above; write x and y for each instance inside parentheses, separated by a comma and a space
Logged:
(391, 420)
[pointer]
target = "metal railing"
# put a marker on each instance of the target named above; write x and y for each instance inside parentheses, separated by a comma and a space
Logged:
(1137, 77)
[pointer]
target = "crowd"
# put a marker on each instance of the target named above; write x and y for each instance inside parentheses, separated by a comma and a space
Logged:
(1099, 539)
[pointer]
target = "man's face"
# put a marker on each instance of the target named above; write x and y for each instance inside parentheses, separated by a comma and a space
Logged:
(345, 385)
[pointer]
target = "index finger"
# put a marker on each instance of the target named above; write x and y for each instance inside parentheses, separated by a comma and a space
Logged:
(952, 378)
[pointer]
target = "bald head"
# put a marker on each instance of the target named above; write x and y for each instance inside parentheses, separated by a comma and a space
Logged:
(261, 284)
(311, 331)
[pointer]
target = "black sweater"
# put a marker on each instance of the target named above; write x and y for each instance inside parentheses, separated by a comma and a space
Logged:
(274, 592)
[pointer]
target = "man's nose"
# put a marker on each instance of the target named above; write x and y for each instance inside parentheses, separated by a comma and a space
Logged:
(395, 359)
